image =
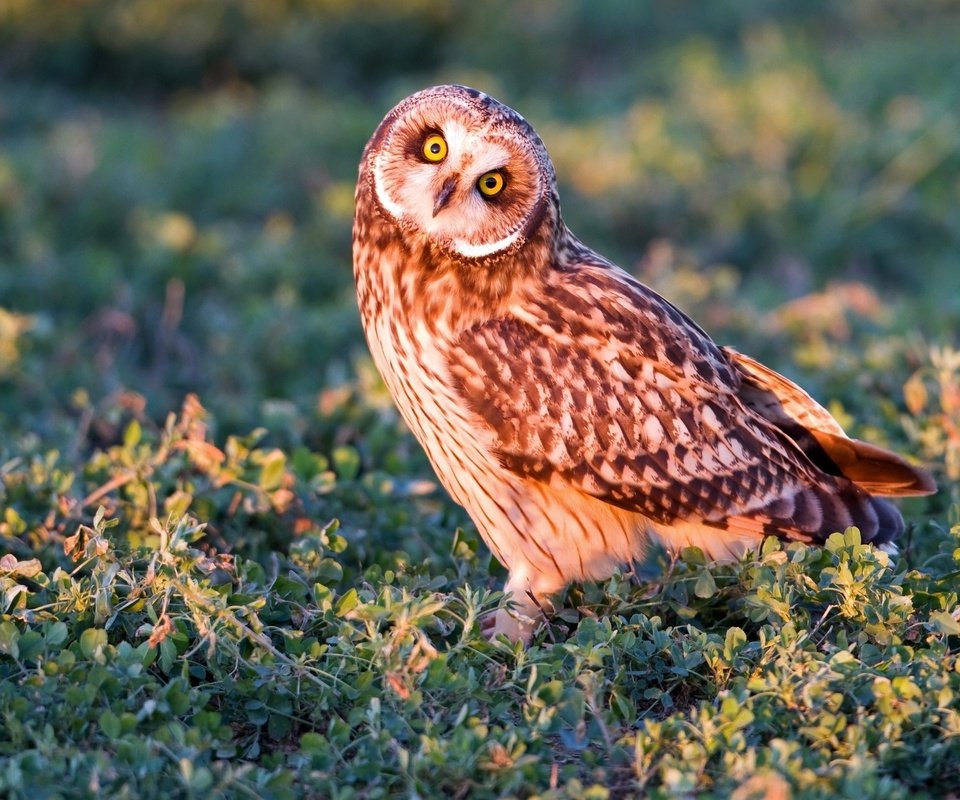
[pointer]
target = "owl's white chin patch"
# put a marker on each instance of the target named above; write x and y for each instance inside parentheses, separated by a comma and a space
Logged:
(470, 250)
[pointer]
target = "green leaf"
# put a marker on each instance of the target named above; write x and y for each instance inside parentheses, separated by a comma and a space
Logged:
(9, 639)
(705, 586)
(322, 596)
(733, 642)
(551, 692)
(131, 436)
(31, 645)
(168, 654)
(278, 726)
(329, 570)
(313, 742)
(273, 471)
(347, 603)
(202, 780)
(110, 724)
(346, 462)
(13, 596)
(852, 536)
(15, 523)
(835, 542)
(92, 642)
(771, 544)
(944, 623)
(55, 634)
(177, 698)
(623, 705)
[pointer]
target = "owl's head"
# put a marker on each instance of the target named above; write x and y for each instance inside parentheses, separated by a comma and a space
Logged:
(462, 169)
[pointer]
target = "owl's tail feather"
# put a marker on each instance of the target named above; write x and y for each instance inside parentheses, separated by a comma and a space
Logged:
(873, 469)
(814, 430)
(810, 515)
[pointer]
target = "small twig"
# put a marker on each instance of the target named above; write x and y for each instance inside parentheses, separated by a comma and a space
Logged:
(114, 483)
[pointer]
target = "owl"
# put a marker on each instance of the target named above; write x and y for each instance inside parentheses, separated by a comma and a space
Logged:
(575, 414)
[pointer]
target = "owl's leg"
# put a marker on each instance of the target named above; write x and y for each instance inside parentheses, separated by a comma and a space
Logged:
(528, 606)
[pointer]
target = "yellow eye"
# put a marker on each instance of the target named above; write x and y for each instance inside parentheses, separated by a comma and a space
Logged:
(434, 147)
(491, 183)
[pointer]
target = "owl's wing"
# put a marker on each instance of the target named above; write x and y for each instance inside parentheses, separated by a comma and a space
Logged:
(820, 436)
(600, 383)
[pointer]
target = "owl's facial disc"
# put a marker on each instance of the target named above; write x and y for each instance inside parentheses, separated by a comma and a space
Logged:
(461, 169)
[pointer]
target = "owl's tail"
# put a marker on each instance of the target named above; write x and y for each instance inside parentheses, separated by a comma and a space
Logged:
(813, 512)
(856, 475)
(809, 515)
(814, 430)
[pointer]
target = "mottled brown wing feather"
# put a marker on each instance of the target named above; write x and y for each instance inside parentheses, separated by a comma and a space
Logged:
(820, 436)
(603, 384)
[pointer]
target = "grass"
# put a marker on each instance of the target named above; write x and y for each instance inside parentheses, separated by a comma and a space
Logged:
(212, 630)
(226, 569)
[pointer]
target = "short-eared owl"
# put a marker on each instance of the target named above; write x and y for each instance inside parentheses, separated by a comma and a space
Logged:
(575, 413)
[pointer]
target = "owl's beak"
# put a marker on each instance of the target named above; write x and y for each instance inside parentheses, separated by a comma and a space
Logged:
(444, 195)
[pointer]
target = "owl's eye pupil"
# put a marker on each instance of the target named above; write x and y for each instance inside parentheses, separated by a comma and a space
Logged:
(490, 183)
(435, 148)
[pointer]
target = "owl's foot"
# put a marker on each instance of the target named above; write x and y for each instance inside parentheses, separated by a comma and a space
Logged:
(524, 612)
(516, 626)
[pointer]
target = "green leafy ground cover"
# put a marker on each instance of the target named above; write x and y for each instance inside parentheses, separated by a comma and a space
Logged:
(225, 569)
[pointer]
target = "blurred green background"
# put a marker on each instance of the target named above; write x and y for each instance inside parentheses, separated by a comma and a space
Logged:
(176, 183)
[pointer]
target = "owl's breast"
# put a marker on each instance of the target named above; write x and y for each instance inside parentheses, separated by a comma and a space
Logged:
(412, 359)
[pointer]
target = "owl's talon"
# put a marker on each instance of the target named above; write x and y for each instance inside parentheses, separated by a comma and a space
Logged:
(517, 627)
